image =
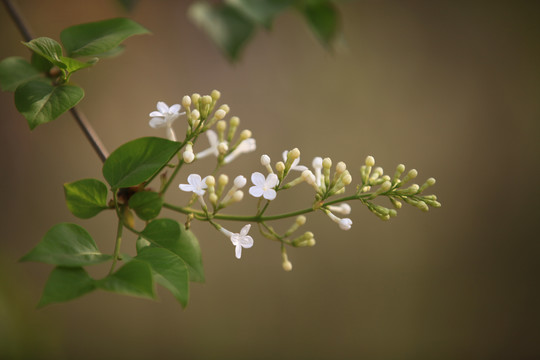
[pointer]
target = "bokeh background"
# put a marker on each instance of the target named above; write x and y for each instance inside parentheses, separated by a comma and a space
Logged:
(449, 88)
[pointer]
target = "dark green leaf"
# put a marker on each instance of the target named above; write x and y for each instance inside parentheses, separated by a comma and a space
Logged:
(323, 18)
(138, 160)
(112, 53)
(225, 25)
(99, 37)
(172, 236)
(66, 284)
(169, 270)
(66, 245)
(86, 198)
(146, 204)
(47, 48)
(261, 11)
(15, 71)
(134, 278)
(40, 102)
(40, 63)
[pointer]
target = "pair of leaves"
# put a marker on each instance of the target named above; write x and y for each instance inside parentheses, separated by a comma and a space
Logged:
(232, 23)
(36, 97)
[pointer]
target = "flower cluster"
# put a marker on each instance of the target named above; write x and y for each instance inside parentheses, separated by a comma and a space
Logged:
(327, 181)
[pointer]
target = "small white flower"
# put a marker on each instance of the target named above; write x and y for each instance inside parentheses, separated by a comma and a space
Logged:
(263, 186)
(214, 143)
(244, 147)
(196, 185)
(294, 165)
(344, 224)
(164, 117)
(239, 240)
(342, 208)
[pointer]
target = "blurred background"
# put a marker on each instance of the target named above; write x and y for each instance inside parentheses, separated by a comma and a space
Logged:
(449, 88)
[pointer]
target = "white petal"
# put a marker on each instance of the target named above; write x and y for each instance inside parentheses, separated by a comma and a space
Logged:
(156, 113)
(246, 242)
(299, 168)
(269, 194)
(194, 179)
(161, 106)
(256, 191)
(170, 134)
(212, 138)
(186, 187)
(258, 179)
(245, 230)
(174, 109)
(284, 155)
(271, 180)
(157, 122)
(238, 251)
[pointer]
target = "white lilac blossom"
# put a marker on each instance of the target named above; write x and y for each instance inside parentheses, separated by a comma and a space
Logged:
(195, 185)
(263, 186)
(239, 240)
(317, 166)
(214, 143)
(246, 146)
(342, 208)
(294, 165)
(164, 117)
(344, 224)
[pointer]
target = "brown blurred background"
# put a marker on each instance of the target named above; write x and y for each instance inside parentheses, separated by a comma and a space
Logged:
(450, 88)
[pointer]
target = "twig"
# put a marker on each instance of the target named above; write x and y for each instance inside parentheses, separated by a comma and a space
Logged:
(85, 126)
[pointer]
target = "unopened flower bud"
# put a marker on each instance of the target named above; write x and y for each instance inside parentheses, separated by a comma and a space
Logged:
(215, 94)
(287, 266)
(213, 198)
(188, 154)
(300, 220)
(327, 163)
(341, 167)
(280, 166)
(245, 134)
(206, 99)
(238, 196)
(265, 160)
(225, 108)
(240, 181)
(210, 180)
(410, 175)
(186, 101)
(220, 114)
(195, 99)
(223, 147)
(345, 224)
(294, 154)
(235, 121)
(195, 115)
(370, 161)
(223, 180)
(429, 182)
(347, 179)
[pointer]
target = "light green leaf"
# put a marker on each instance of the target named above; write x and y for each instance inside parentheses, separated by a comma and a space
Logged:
(15, 71)
(66, 284)
(66, 245)
(47, 48)
(323, 18)
(169, 271)
(99, 37)
(138, 160)
(225, 25)
(40, 102)
(260, 11)
(86, 198)
(134, 278)
(146, 204)
(172, 236)
(73, 65)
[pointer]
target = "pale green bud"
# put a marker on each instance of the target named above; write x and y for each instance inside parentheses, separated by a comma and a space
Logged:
(223, 148)
(429, 182)
(195, 99)
(399, 170)
(300, 220)
(341, 167)
(215, 94)
(370, 161)
(213, 199)
(235, 121)
(206, 99)
(410, 175)
(225, 108)
(245, 134)
(220, 114)
(294, 153)
(280, 166)
(327, 163)
(186, 102)
(287, 265)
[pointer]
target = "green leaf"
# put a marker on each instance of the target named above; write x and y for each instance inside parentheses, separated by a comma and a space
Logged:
(146, 204)
(112, 53)
(172, 236)
(40, 63)
(86, 198)
(40, 102)
(15, 71)
(99, 37)
(73, 65)
(225, 25)
(169, 270)
(323, 18)
(47, 48)
(134, 278)
(128, 5)
(66, 284)
(260, 11)
(66, 245)
(138, 160)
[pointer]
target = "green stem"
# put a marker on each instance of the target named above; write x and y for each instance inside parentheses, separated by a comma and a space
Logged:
(117, 244)
(259, 218)
(173, 175)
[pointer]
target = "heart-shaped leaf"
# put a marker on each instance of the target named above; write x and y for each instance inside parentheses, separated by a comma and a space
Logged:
(66, 244)
(95, 38)
(15, 71)
(146, 204)
(138, 160)
(169, 271)
(134, 278)
(40, 102)
(66, 284)
(86, 198)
